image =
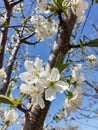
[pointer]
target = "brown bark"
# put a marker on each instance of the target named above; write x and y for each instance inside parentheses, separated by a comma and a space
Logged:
(34, 118)
(4, 32)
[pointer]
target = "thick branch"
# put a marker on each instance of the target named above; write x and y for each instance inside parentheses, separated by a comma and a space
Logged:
(62, 44)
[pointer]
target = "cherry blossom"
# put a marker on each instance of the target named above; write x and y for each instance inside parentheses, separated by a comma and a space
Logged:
(92, 59)
(34, 92)
(10, 117)
(72, 104)
(34, 71)
(43, 27)
(53, 84)
(42, 6)
(79, 7)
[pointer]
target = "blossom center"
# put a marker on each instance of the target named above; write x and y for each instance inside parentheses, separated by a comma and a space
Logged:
(35, 73)
(35, 90)
(51, 84)
(7, 121)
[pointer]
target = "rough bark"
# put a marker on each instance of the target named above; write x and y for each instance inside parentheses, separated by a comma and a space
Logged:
(34, 118)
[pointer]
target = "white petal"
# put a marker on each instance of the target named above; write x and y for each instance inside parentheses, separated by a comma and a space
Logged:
(50, 94)
(26, 89)
(11, 115)
(42, 82)
(61, 86)
(54, 76)
(41, 101)
(28, 78)
(34, 98)
(29, 65)
(38, 64)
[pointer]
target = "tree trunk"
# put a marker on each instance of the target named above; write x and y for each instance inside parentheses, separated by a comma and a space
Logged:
(34, 118)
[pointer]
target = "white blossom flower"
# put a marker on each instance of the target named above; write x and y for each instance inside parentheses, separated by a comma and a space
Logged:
(34, 92)
(53, 84)
(18, 8)
(77, 78)
(3, 18)
(43, 27)
(92, 59)
(72, 104)
(79, 7)
(35, 70)
(42, 6)
(2, 73)
(10, 117)
(78, 67)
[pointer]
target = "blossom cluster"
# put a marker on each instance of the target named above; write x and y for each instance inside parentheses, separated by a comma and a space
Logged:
(92, 59)
(37, 82)
(77, 79)
(43, 27)
(78, 7)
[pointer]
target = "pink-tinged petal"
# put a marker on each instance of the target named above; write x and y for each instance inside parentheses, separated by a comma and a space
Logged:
(61, 86)
(29, 65)
(50, 94)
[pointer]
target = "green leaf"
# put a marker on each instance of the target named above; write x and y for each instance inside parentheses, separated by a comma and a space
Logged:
(25, 20)
(63, 66)
(69, 95)
(93, 43)
(55, 1)
(59, 61)
(17, 103)
(6, 100)
(8, 93)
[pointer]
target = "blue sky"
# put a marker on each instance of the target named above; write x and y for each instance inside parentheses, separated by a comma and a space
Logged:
(42, 50)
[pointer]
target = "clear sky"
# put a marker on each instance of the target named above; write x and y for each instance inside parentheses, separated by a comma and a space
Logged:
(43, 51)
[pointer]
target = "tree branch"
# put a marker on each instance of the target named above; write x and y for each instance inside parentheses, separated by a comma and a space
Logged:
(27, 37)
(31, 43)
(9, 68)
(15, 3)
(4, 32)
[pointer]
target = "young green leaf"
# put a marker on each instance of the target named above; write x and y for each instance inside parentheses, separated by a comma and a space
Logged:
(6, 100)
(8, 93)
(93, 43)
(59, 61)
(63, 66)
